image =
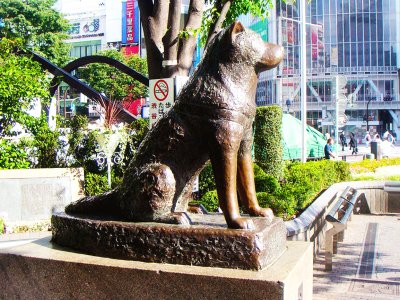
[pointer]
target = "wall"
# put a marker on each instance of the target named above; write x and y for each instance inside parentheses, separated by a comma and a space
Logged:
(33, 194)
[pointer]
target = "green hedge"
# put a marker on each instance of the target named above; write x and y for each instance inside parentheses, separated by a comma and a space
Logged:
(301, 183)
(96, 184)
(306, 180)
(268, 150)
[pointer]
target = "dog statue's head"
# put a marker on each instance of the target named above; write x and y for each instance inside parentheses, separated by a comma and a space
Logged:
(239, 45)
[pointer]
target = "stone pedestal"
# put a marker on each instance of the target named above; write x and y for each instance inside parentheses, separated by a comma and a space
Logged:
(42, 270)
(205, 243)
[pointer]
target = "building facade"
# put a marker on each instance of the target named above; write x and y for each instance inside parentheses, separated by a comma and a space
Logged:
(354, 41)
(101, 24)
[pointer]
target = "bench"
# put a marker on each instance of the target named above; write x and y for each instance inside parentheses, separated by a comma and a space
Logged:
(392, 186)
(338, 217)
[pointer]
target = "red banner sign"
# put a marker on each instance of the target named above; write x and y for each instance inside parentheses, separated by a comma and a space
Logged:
(130, 21)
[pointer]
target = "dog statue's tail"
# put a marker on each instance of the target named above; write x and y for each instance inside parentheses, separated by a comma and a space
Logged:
(106, 204)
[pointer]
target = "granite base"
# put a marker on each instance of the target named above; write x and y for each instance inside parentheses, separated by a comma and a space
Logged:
(42, 270)
(205, 243)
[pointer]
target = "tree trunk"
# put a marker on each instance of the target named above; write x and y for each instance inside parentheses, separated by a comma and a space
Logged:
(154, 18)
(167, 55)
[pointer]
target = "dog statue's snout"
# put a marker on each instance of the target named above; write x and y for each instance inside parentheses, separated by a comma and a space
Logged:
(273, 55)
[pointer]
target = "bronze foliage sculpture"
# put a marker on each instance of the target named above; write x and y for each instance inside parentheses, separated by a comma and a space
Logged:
(211, 119)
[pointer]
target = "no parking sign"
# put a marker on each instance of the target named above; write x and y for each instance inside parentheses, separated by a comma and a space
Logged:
(161, 98)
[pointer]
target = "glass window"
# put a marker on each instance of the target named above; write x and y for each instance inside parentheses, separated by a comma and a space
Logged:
(372, 19)
(379, 25)
(359, 5)
(367, 57)
(353, 54)
(366, 27)
(373, 54)
(360, 28)
(347, 54)
(339, 6)
(332, 7)
(380, 54)
(340, 29)
(353, 28)
(340, 55)
(386, 53)
(379, 6)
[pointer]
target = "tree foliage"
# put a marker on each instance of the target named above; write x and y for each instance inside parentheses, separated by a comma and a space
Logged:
(39, 27)
(21, 81)
(111, 81)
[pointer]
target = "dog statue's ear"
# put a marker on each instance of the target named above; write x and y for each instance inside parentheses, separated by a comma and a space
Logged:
(236, 28)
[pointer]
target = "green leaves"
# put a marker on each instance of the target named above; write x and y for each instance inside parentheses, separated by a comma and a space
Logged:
(112, 82)
(38, 26)
(22, 82)
(268, 150)
(12, 156)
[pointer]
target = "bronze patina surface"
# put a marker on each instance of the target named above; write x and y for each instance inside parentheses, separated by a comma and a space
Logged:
(207, 242)
(211, 119)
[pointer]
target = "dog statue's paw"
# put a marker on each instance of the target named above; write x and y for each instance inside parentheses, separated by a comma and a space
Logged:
(180, 218)
(241, 223)
(262, 212)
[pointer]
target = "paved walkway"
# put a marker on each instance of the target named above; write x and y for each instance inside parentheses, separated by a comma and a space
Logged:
(367, 265)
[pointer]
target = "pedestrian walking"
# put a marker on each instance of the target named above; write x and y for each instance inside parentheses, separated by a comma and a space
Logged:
(328, 150)
(353, 143)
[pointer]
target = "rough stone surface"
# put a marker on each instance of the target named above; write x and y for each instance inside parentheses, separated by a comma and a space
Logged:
(205, 243)
(32, 195)
(42, 270)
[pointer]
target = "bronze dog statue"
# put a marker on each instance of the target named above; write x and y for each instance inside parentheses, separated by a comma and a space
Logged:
(211, 119)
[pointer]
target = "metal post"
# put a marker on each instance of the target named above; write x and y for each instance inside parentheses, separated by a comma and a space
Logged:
(368, 114)
(109, 171)
(337, 124)
(303, 84)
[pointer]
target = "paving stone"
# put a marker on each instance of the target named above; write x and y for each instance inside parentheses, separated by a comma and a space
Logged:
(344, 281)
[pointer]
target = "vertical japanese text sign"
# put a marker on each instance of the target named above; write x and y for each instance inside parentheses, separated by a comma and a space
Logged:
(130, 19)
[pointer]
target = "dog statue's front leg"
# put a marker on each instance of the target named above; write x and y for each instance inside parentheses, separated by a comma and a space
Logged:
(223, 155)
(245, 182)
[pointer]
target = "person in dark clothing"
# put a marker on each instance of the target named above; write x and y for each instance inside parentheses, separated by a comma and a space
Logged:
(353, 143)
(343, 140)
(328, 150)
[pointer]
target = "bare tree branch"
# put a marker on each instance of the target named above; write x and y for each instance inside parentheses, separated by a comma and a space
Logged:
(170, 39)
(187, 46)
(222, 8)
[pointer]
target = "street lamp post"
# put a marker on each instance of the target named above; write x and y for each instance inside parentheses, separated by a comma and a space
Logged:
(303, 80)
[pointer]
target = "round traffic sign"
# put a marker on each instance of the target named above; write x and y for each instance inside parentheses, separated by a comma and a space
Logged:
(161, 90)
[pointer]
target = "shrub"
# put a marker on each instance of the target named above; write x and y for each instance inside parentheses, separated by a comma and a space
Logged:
(301, 183)
(206, 180)
(210, 201)
(282, 205)
(96, 184)
(268, 151)
(1, 226)
(305, 180)
(263, 181)
(12, 156)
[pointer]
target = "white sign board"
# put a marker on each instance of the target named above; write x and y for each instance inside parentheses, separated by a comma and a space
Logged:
(161, 98)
